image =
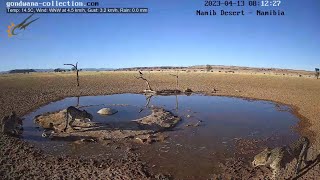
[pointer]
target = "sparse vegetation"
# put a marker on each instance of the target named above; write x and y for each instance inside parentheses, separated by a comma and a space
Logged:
(22, 71)
(59, 70)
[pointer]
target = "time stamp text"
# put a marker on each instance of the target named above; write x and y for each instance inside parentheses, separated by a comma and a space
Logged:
(207, 8)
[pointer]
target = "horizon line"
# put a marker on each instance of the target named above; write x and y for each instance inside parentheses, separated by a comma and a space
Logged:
(163, 66)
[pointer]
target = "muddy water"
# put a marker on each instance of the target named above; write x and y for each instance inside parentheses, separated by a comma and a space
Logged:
(194, 149)
(126, 112)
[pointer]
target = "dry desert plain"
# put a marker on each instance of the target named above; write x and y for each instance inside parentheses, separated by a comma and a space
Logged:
(24, 93)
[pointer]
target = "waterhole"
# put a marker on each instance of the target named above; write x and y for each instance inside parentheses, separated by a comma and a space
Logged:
(211, 130)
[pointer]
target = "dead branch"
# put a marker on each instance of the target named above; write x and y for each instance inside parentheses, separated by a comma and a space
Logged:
(148, 84)
(177, 80)
(76, 68)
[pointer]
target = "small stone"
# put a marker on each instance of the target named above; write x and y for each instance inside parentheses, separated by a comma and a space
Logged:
(77, 128)
(197, 124)
(162, 177)
(88, 140)
(107, 111)
(150, 141)
(214, 90)
(130, 137)
(142, 141)
(129, 149)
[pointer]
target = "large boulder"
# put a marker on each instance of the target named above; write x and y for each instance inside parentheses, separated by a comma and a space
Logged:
(107, 111)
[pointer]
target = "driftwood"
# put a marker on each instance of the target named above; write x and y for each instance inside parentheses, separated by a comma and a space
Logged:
(76, 69)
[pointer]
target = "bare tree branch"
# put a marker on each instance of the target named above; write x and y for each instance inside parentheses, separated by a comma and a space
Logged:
(148, 84)
(70, 65)
(76, 68)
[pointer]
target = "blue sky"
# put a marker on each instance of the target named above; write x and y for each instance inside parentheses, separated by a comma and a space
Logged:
(169, 35)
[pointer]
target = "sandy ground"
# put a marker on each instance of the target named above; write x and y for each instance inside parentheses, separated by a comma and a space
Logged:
(26, 92)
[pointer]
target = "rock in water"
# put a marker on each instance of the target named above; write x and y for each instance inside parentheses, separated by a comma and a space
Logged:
(107, 111)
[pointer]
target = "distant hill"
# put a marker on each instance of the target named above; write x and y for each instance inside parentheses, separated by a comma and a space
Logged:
(203, 68)
(97, 69)
(52, 70)
(195, 68)
(152, 68)
(83, 69)
(44, 70)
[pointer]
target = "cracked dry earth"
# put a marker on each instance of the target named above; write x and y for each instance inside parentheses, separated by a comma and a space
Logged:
(26, 92)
